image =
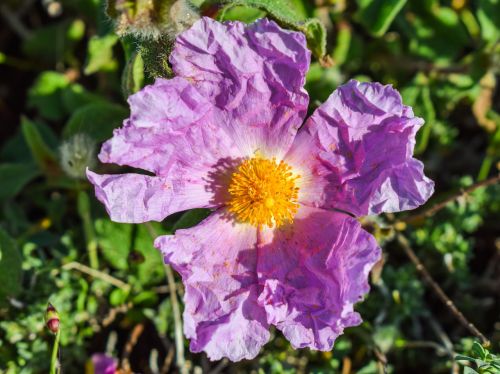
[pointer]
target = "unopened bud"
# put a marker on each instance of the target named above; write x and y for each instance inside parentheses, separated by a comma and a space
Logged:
(77, 153)
(151, 19)
(135, 258)
(52, 319)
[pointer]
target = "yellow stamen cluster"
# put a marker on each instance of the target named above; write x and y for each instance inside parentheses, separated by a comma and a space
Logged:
(263, 192)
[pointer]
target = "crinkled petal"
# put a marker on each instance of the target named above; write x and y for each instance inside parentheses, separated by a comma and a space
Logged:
(169, 121)
(355, 153)
(217, 260)
(313, 272)
(136, 198)
(253, 73)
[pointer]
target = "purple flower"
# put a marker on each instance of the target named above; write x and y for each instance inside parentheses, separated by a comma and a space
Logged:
(224, 134)
(102, 364)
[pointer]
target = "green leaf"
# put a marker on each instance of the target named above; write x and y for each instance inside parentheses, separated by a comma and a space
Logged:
(342, 45)
(488, 14)
(242, 13)
(45, 95)
(133, 75)
(151, 270)
(55, 96)
(164, 318)
(469, 370)
(13, 177)
(464, 358)
(53, 42)
(43, 155)
(285, 13)
(75, 96)
(98, 120)
(118, 296)
(384, 337)
(321, 82)
(281, 10)
(10, 267)
(377, 15)
(429, 115)
(478, 350)
(114, 242)
(437, 35)
(100, 54)
(190, 218)
(316, 36)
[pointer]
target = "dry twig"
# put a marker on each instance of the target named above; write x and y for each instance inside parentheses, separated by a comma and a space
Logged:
(439, 291)
(96, 274)
(461, 193)
(129, 346)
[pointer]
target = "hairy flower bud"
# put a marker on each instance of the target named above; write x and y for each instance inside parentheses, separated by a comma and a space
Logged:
(52, 319)
(77, 153)
(151, 19)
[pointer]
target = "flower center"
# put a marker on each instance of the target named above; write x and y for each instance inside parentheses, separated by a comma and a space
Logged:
(263, 192)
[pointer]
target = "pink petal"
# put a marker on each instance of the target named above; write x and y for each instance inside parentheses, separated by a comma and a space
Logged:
(217, 260)
(170, 122)
(313, 272)
(355, 153)
(136, 198)
(254, 74)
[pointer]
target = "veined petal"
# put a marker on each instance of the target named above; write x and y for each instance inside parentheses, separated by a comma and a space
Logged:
(254, 74)
(313, 272)
(355, 153)
(136, 198)
(217, 260)
(169, 121)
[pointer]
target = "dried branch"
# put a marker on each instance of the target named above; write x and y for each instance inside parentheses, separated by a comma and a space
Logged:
(439, 291)
(460, 193)
(96, 274)
(129, 346)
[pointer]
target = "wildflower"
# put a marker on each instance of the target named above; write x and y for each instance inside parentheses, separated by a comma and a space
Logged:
(224, 134)
(101, 364)
(76, 154)
(52, 320)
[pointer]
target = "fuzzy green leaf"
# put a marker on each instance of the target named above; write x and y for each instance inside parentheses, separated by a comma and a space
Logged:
(98, 120)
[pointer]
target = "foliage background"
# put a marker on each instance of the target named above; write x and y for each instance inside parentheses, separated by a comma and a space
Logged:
(64, 71)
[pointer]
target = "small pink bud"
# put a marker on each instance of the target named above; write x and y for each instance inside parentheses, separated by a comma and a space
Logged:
(52, 319)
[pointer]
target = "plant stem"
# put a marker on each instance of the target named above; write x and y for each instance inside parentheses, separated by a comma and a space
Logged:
(179, 338)
(88, 228)
(54, 362)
